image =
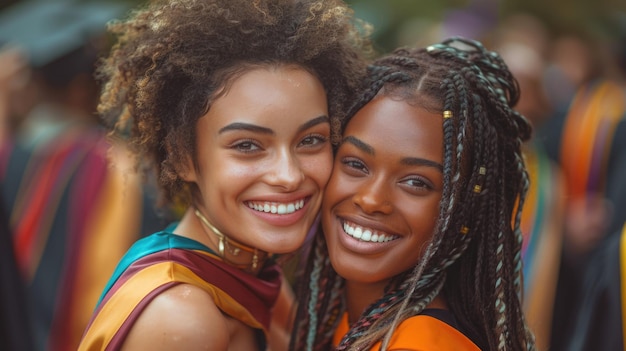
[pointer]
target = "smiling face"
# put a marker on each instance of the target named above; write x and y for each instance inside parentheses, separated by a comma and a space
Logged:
(264, 158)
(382, 202)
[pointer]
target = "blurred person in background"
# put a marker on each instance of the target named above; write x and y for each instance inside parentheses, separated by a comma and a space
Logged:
(585, 136)
(522, 40)
(14, 325)
(581, 133)
(600, 313)
(73, 206)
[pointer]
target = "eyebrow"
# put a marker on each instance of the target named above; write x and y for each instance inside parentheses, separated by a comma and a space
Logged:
(408, 161)
(263, 130)
(359, 144)
(415, 161)
(315, 121)
(245, 126)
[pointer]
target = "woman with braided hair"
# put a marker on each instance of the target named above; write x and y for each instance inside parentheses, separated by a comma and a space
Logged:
(231, 103)
(421, 241)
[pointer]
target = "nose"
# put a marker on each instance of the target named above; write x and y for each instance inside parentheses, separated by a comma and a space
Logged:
(285, 171)
(374, 197)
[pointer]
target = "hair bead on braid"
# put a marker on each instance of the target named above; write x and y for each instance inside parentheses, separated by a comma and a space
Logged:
(479, 273)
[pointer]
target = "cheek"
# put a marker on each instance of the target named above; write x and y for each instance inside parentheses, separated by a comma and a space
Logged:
(338, 188)
(424, 224)
(230, 174)
(332, 237)
(318, 167)
(237, 171)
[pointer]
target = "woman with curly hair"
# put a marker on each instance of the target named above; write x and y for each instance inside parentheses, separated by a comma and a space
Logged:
(231, 104)
(421, 241)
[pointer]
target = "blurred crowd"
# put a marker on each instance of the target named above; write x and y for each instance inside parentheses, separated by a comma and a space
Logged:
(71, 202)
(71, 205)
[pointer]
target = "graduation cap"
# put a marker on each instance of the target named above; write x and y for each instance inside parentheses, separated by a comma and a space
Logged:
(49, 30)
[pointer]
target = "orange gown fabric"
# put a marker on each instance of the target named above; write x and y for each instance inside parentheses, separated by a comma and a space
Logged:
(419, 333)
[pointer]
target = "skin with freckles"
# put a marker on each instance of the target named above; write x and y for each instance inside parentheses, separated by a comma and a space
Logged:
(387, 181)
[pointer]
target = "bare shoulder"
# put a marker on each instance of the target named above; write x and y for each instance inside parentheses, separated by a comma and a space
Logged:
(184, 317)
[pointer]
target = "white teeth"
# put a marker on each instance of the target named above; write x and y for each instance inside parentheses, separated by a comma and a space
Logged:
(358, 233)
(365, 234)
(272, 207)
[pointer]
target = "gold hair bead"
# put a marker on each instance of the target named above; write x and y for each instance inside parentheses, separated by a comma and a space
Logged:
(482, 171)
(447, 114)
(477, 188)
(464, 230)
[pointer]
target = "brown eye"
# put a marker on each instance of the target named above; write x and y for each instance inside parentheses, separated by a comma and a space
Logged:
(245, 146)
(417, 184)
(313, 140)
(354, 165)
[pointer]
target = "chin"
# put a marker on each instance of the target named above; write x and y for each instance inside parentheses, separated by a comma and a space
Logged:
(355, 275)
(284, 246)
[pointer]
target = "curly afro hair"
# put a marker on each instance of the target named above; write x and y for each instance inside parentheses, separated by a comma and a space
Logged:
(173, 58)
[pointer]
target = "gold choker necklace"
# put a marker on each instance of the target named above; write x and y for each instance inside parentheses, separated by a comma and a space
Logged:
(230, 245)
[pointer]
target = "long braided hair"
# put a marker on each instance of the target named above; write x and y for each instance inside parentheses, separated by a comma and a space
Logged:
(474, 256)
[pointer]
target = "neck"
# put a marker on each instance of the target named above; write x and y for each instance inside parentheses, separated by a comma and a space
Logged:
(360, 295)
(235, 253)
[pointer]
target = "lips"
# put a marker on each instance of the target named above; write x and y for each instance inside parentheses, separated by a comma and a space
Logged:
(366, 234)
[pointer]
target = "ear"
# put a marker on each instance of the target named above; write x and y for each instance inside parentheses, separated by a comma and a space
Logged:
(184, 166)
(187, 170)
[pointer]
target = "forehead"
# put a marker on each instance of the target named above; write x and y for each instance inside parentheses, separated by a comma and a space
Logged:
(252, 77)
(391, 123)
(269, 95)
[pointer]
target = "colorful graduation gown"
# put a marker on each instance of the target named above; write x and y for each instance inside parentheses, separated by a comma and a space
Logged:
(421, 332)
(163, 260)
(72, 216)
(587, 140)
(542, 230)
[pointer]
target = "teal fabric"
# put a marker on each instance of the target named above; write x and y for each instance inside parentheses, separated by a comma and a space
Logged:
(153, 243)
